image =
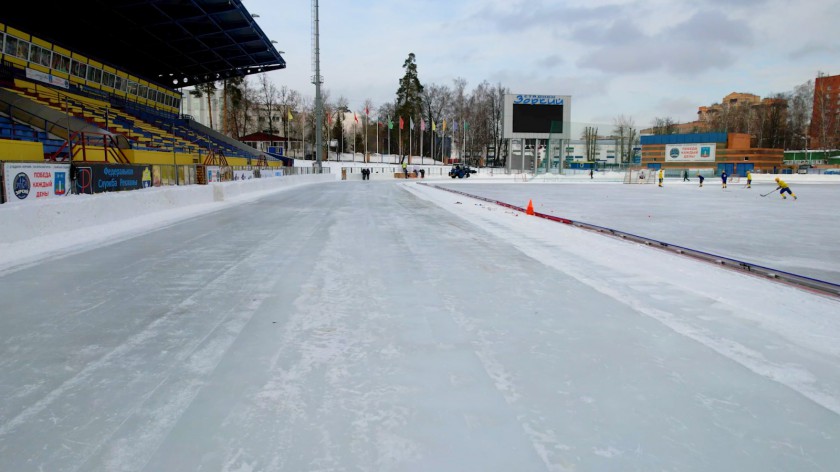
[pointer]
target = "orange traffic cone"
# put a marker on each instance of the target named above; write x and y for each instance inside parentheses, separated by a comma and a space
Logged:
(530, 209)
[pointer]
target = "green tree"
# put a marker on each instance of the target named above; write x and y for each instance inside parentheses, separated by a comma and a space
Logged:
(207, 89)
(409, 103)
(233, 101)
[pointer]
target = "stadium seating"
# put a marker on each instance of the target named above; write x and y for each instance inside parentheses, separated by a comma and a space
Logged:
(145, 128)
(11, 129)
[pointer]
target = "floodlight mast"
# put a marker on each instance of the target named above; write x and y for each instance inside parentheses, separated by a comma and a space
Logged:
(317, 80)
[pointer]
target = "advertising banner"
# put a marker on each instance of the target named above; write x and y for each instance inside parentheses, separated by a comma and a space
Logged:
(271, 172)
(47, 78)
(97, 178)
(243, 175)
(33, 181)
(690, 152)
(214, 173)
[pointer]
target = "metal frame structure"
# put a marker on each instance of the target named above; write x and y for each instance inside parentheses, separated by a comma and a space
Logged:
(172, 43)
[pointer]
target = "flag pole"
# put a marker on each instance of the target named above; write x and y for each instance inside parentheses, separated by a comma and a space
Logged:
(422, 126)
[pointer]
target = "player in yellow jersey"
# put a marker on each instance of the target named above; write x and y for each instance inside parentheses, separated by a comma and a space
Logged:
(784, 188)
(749, 179)
(661, 176)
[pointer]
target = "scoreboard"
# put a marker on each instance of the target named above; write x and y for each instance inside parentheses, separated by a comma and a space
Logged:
(537, 116)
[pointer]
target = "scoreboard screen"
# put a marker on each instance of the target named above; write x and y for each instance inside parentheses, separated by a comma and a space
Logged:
(529, 118)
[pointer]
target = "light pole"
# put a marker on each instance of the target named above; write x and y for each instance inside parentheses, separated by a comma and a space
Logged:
(317, 80)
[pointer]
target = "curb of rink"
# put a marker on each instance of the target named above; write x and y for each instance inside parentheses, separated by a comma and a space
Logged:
(801, 281)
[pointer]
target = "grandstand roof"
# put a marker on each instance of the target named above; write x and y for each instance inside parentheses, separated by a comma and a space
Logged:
(164, 41)
(262, 136)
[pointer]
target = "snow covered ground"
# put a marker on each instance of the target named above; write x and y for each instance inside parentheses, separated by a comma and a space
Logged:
(393, 326)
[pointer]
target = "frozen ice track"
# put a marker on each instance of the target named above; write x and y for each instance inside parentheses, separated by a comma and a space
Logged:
(809, 283)
(360, 326)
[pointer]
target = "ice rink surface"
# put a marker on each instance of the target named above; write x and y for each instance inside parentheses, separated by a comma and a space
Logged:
(796, 236)
(394, 327)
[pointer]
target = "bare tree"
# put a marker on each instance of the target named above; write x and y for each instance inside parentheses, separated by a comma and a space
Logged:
(268, 101)
(498, 111)
(459, 109)
(242, 110)
(385, 115)
(625, 134)
(800, 108)
(590, 139)
(665, 125)
(437, 105)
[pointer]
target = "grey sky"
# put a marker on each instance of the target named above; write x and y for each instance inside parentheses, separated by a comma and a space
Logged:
(643, 59)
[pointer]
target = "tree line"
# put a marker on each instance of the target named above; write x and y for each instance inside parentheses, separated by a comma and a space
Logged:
(250, 105)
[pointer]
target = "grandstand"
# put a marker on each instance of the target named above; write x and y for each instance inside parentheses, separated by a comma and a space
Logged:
(95, 93)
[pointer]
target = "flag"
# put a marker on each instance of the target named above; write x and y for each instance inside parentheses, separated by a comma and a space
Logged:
(434, 126)
(466, 126)
(390, 123)
(422, 124)
(402, 123)
(367, 112)
(290, 114)
(444, 125)
(329, 119)
(455, 126)
(355, 118)
(411, 123)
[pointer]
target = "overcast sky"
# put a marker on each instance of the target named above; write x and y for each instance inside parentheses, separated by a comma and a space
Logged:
(644, 59)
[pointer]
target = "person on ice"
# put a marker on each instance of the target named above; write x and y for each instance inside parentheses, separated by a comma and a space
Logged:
(699, 176)
(685, 175)
(723, 177)
(661, 176)
(784, 188)
(749, 179)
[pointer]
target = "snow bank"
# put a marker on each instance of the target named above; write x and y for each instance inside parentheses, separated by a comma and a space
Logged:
(31, 231)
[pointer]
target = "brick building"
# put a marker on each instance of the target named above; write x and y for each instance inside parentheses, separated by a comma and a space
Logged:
(825, 120)
(709, 151)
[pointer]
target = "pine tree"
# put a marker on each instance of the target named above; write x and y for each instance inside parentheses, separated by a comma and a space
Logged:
(409, 103)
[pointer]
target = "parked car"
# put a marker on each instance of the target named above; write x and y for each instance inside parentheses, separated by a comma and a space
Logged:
(461, 171)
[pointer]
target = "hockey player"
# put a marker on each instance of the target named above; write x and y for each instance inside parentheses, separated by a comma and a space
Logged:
(661, 176)
(699, 176)
(749, 179)
(784, 188)
(723, 177)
